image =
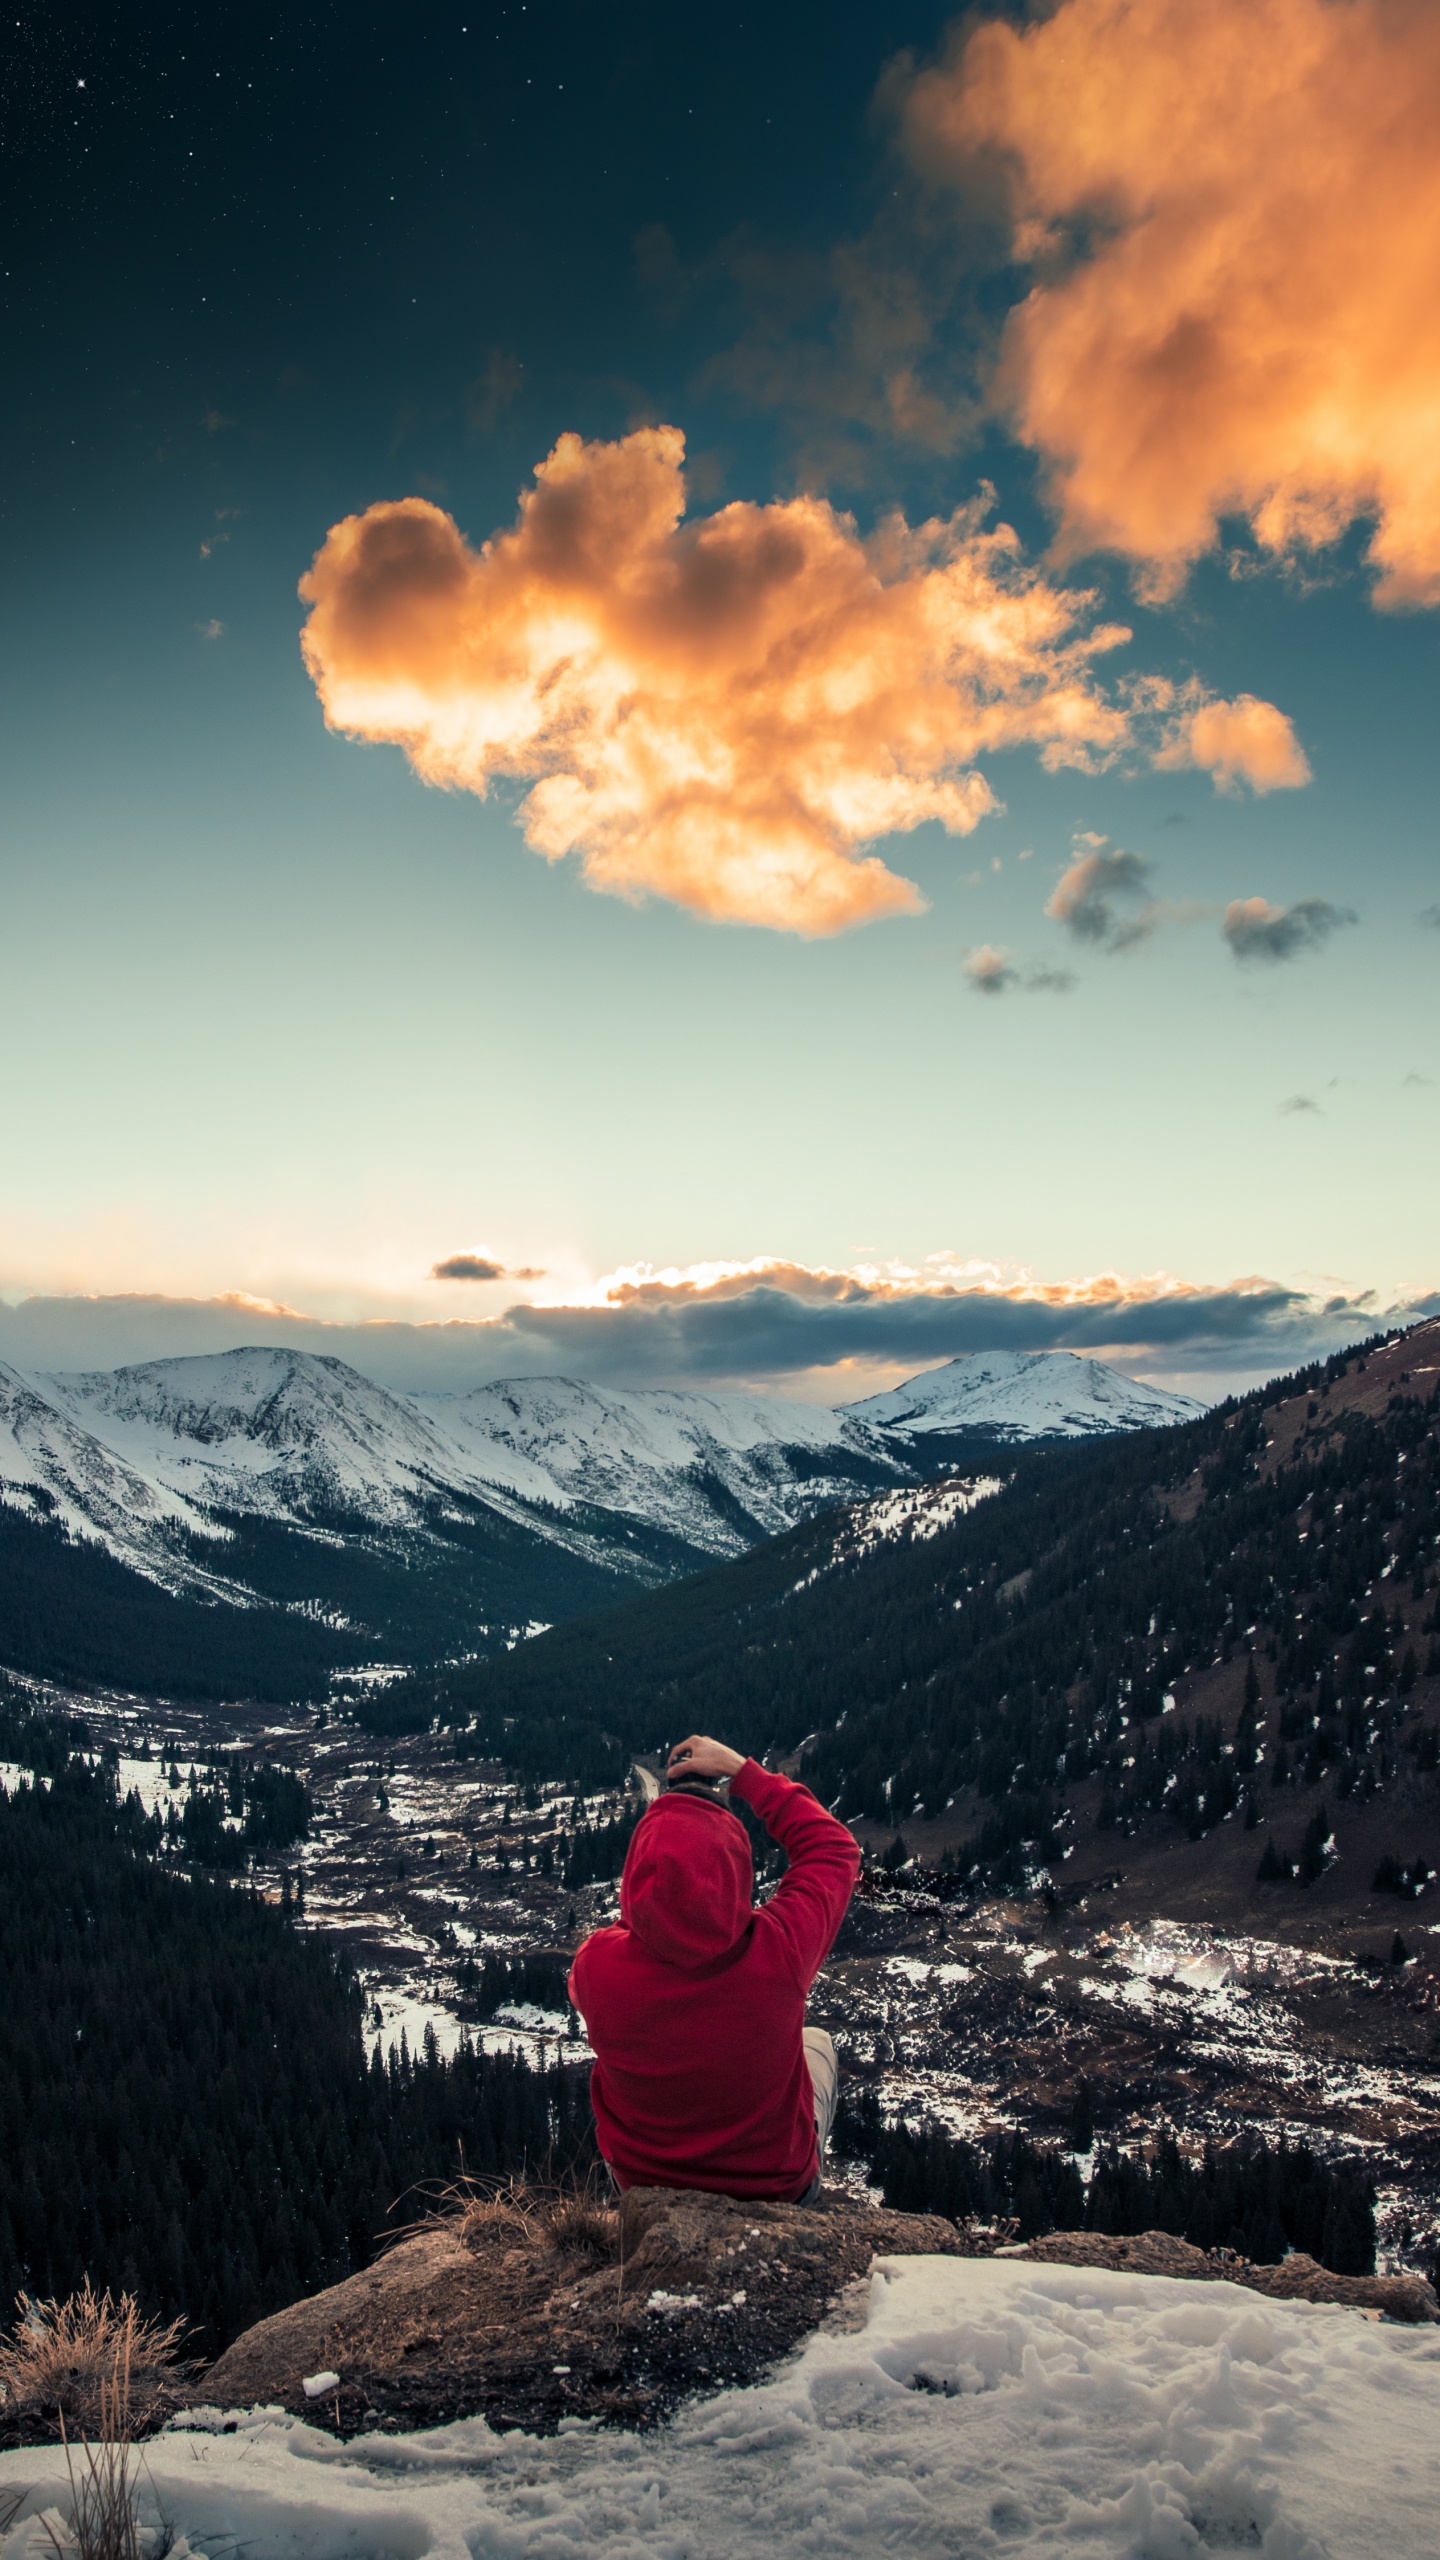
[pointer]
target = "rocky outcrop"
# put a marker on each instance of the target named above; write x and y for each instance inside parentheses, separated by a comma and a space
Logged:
(1296, 2279)
(528, 2312)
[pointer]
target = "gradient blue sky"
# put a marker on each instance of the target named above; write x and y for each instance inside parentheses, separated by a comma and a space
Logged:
(282, 1021)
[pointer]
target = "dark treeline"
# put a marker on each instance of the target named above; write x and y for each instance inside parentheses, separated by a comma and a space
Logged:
(72, 1612)
(187, 2107)
(245, 1810)
(594, 1852)
(1034, 1644)
(1255, 2198)
(465, 1580)
(535, 1977)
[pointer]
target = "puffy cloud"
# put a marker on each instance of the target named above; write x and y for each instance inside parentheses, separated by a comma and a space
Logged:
(1256, 930)
(723, 713)
(1232, 216)
(726, 712)
(1246, 740)
(1083, 899)
(990, 970)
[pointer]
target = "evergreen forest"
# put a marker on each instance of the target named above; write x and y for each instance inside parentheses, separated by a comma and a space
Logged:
(188, 2109)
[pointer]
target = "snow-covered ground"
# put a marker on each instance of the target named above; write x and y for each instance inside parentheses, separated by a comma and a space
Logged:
(984, 2408)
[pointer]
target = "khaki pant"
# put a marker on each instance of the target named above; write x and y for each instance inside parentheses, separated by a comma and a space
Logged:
(824, 2080)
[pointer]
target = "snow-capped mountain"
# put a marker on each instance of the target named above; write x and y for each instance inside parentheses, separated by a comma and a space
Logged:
(294, 1437)
(714, 1469)
(51, 1468)
(278, 1432)
(142, 1458)
(1021, 1395)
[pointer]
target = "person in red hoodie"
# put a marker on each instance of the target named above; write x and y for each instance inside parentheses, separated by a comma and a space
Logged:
(706, 2074)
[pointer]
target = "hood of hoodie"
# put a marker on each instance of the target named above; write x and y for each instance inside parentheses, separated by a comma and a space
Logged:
(687, 1889)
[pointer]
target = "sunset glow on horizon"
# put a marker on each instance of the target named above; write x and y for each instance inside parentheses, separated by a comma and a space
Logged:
(933, 516)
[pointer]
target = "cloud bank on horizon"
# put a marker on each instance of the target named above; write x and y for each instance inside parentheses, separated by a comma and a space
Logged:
(1231, 215)
(727, 712)
(745, 1325)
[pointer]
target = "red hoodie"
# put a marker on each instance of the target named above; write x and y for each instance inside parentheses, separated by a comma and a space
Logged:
(695, 2002)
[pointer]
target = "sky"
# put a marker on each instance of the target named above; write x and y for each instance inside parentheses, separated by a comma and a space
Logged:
(712, 699)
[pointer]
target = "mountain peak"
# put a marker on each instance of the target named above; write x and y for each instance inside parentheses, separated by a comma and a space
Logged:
(1023, 1395)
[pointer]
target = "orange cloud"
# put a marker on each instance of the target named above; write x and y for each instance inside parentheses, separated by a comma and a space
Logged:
(1241, 741)
(1233, 217)
(725, 713)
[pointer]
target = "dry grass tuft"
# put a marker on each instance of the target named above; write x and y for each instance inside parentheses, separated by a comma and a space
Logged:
(572, 2216)
(91, 2360)
(486, 2205)
(99, 2363)
(580, 2226)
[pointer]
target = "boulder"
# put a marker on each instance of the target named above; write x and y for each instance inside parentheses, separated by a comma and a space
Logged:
(527, 2311)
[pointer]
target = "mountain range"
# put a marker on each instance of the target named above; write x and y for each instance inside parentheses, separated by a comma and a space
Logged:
(400, 1529)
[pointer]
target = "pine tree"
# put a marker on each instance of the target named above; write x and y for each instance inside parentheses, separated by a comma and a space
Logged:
(1312, 1847)
(1082, 2118)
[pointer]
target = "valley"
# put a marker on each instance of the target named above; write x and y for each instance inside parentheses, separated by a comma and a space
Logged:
(1072, 1918)
(1177, 1990)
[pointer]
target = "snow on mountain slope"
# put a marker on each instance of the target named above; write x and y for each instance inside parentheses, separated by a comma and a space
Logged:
(279, 1432)
(52, 1468)
(293, 1435)
(984, 2406)
(139, 1457)
(1023, 1395)
(659, 1456)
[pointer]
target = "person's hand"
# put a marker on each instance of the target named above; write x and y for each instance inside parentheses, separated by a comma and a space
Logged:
(699, 1757)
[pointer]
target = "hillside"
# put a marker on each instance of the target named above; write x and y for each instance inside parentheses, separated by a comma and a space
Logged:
(1231, 1622)
(188, 2103)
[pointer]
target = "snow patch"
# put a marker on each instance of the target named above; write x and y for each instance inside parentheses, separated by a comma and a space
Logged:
(986, 2407)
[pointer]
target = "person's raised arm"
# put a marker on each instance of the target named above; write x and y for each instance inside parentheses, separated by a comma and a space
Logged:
(810, 1902)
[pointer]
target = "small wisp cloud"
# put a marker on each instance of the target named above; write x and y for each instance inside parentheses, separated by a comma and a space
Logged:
(729, 712)
(992, 972)
(1258, 931)
(1084, 899)
(481, 1267)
